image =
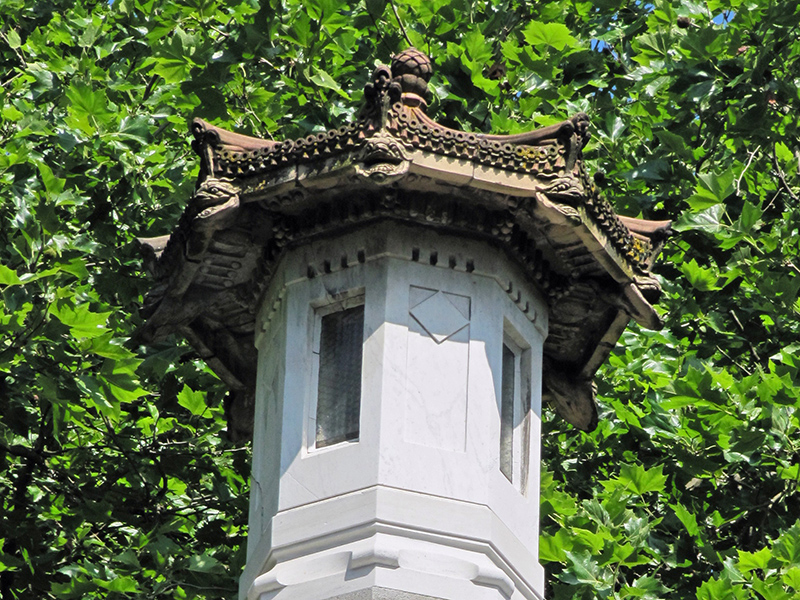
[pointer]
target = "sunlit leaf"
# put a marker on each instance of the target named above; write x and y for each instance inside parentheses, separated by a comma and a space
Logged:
(548, 34)
(193, 401)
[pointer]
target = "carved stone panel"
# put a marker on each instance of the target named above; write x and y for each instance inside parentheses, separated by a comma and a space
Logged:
(437, 369)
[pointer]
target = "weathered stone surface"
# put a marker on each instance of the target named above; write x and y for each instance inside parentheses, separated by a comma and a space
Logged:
(528, 194)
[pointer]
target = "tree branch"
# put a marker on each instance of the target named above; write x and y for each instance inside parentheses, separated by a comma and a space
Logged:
(381, 38)
(400, 23)
(781, 175)
(149, 89)
(753, 350)
(747, 166)
(22, 452)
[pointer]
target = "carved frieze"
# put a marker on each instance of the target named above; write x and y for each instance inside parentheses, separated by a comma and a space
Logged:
(382, 160)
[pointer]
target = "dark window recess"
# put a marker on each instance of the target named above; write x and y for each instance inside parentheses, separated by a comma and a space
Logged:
(508, 385)
(339, 385)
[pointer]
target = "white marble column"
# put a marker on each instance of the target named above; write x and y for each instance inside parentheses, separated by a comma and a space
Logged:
(417, 506)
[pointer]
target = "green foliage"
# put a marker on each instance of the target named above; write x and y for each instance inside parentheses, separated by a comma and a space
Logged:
(699, 128)
(117, 479)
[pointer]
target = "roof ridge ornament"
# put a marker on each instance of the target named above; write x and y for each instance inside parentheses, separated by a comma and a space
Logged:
(405, 81)
(412, 70)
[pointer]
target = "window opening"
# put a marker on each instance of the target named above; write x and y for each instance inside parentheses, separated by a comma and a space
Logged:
(508, 386)
(515, 404)
(339, 376)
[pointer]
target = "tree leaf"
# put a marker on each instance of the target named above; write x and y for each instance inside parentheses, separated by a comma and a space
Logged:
(205, 563)
(641, 481)
(555, 35)
(707, 220)
(81, 320)
(8, 276)
(476, 46)
(52, 184)
(322, 79)
(195, 402)
(749, 561)
(688, 519)
(119, 584)
(701, 278)
(14, 41)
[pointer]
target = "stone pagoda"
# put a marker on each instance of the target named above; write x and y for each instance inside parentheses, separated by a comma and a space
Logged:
(389, 302)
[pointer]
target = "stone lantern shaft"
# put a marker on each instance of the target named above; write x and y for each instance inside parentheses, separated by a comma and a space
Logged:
(389, 303)
(420, 495)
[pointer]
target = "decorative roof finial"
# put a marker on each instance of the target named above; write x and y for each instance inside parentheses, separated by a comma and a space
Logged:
(412, 69)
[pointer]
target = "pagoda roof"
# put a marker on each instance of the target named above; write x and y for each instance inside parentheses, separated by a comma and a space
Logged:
(529, 194)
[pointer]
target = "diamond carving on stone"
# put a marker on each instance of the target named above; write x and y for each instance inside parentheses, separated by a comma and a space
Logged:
(441, 315)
